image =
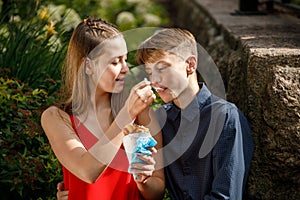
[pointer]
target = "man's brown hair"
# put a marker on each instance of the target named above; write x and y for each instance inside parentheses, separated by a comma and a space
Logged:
(170, 40)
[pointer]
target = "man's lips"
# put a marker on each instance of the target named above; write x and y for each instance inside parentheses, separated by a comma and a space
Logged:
(159, 89)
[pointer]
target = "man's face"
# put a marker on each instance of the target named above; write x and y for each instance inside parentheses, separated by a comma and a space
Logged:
(168, 76)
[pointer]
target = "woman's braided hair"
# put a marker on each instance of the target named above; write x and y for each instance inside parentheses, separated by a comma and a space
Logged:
(86, 36)
(99, 26)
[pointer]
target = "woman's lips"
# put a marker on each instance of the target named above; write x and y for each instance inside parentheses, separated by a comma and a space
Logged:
(122, 79)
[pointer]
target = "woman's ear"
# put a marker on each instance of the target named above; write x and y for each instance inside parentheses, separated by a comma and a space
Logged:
(191, 65)
(87, 66)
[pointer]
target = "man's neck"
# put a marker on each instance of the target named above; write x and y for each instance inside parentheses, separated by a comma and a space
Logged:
(187, 96)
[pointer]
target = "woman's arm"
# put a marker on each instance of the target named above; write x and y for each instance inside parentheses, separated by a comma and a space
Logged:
(151, 186)
(89, 164)
(67, 146)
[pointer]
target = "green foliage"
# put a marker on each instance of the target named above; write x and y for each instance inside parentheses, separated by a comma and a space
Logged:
(83, 8)
(126, 14)
(296, 2)
(29, 57)
(34, 48)
(29, 169)
(129, 14)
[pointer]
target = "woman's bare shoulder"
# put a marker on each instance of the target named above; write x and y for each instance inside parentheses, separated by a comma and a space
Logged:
(53, 113)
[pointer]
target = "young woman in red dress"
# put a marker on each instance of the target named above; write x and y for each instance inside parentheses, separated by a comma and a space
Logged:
(85, 132)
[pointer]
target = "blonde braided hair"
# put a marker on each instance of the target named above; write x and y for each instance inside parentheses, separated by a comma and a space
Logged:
(86, 36)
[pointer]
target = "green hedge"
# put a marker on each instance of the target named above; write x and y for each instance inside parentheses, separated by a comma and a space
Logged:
(29, 169)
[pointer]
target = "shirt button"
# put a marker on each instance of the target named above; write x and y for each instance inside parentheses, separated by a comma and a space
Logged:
(186, 170)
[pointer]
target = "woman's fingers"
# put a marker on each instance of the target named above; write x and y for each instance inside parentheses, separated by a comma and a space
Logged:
(145, 94)
(142, 84)
(140, 98)
(144, 91)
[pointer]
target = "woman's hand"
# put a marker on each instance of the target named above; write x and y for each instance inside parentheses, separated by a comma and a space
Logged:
(144, 170)
(140, 97)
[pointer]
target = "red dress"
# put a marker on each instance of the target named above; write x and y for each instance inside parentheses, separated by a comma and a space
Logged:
(112, 184)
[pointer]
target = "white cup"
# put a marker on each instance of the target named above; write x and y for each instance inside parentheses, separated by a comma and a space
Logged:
(129, 143)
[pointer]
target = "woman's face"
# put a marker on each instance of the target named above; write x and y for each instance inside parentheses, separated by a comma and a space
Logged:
(110, 66)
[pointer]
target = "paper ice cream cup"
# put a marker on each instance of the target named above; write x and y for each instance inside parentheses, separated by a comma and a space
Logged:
(130, 143)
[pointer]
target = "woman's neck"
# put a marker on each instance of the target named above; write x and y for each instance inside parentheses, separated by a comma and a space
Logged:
(98, 117)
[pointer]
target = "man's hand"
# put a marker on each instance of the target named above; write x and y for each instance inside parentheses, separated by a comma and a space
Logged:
(144, 170)
(61, 193)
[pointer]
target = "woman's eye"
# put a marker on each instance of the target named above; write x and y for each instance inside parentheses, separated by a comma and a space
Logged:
(115, 62)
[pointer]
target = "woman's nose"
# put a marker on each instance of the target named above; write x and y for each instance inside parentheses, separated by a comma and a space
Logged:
(125, 67)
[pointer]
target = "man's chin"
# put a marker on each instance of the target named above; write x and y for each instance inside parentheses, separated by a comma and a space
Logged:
(167, 99)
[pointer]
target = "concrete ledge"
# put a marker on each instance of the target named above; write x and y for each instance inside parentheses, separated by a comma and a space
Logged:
(259, 60)
(262, 31)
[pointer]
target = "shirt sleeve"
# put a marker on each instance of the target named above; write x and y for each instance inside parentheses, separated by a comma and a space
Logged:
(228, 159)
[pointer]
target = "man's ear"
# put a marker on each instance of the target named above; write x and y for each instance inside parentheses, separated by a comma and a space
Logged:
(191, 65)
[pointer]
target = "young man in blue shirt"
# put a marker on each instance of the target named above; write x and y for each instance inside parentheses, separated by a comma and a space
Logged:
(208, 145)
(207, 141)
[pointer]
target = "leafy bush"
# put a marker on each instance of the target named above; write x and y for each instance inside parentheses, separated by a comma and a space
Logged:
(29, 169)
(35, 48)
(28, 56)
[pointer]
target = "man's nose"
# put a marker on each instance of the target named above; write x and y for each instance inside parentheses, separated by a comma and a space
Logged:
(155, 77)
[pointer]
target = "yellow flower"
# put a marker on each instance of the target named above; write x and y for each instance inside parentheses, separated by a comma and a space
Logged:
(50, 29)
(44, 13)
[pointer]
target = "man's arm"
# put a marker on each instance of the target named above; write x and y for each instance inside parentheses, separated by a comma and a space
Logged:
(231, 162)
(61, 194)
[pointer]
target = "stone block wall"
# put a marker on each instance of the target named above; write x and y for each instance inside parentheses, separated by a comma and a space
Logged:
(259, 60)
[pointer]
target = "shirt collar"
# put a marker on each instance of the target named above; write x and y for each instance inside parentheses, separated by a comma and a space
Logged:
(172, 110)
(203, 95)
(192, 110)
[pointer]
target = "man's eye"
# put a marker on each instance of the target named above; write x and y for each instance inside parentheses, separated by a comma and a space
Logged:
(162, 68)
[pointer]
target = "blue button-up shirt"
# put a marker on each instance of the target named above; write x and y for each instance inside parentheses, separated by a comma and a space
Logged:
(207, 148)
